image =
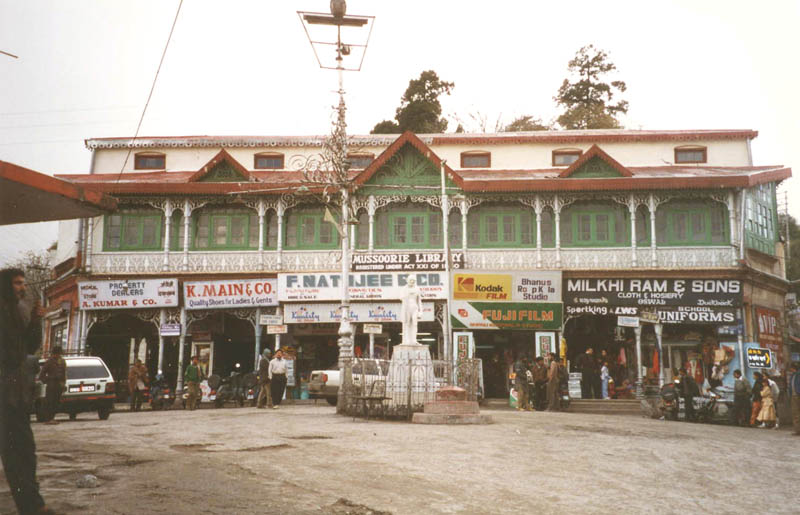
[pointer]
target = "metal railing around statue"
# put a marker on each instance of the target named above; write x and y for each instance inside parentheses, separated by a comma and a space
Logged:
(378, 387)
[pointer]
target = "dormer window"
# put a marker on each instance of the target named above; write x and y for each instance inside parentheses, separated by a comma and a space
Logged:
(268, 161)
(566, 157)
(150, 161)
(360, 160)
(476, 159)
(690, 154)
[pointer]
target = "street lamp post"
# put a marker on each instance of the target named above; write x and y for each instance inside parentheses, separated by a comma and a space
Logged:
(333, 171)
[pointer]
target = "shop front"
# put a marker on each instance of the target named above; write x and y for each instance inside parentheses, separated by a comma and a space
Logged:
(506, 316)
(647, 329)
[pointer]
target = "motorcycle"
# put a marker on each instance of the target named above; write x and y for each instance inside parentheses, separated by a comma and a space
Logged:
(238, 387)
(161, 396)
(670, 398)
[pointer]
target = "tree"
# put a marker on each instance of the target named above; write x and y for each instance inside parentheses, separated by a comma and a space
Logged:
(526, 123)
(588, 100)
(37, 272)
(420, 110)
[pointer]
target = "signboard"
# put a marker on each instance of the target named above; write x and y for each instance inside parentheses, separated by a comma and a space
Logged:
(465, 345)
(769, 332)
(277, 329)
(270, 320)
(697, 315)
(290, 372)
(623, 321)
(128, 294)
(372, 312)
(542, 286)
(170, 330)
(363, 286)
(649, 316)
(372, 328)
(230, 293)
(545, 344)
(405, 261)
(713, 293)
(759, 358)
(506, 315)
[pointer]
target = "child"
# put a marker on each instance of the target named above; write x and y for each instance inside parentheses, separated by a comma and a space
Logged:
(604, 377)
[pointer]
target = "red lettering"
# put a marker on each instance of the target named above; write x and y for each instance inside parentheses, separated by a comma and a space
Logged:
(190, 290)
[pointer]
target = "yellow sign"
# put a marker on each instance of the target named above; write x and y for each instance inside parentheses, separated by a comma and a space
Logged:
(482, 286)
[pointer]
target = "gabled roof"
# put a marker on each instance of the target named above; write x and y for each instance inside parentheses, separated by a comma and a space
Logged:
(595, 152)
(222, 157)
(409, 138)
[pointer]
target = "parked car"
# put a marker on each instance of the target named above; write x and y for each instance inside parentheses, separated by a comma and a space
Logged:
(324, 384)
(90, 387)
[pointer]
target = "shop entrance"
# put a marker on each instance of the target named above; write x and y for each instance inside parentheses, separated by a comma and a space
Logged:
(498, 350)
(111, 340)
(609, 342)
(225, 340)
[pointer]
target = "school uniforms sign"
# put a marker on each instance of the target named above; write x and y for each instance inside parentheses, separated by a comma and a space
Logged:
(363, 286)
(233, 293)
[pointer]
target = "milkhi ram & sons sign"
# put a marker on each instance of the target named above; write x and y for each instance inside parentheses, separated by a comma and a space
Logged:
(511, 300)
(677, 301)
(230, 293)
(128, 294)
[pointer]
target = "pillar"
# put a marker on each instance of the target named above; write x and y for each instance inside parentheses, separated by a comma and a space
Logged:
(659, 329)
(258, 338)
(557, 229)
(279, 246)
(167, 231)
(464, 212)
(262, 211)
(84, 331)
(181, 358)
(371, 215)
(639, 380)
(89, 243)
(162, 319)
(632, 211)
(187, 220)
(371, 346)
(537, 207)
(279, 312)
(651, 205)
(732, 226)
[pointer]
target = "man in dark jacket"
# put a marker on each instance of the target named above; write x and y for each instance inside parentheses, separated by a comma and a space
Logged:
(689, 389)
(740, 414)
(540, 383)
(590, 375)
(54, 377)
(20, 335)
(264, 396)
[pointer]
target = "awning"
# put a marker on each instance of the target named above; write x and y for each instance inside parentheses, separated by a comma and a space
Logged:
(27, 196)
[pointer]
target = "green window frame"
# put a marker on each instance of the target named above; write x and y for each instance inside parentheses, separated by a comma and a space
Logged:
(593, 228)
(501, 228)
(761, 219)
(408, 227)
(224, 229)
(306, 230)
(133, 231)
(692, 224)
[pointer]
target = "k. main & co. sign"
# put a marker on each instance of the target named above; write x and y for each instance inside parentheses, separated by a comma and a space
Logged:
(232, 293)
(363, 286)
(128, 294)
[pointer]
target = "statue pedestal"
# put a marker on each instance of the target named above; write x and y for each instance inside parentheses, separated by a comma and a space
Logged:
(410, 372)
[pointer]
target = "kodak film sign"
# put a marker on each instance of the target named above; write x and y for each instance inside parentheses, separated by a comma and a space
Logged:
(543, 286)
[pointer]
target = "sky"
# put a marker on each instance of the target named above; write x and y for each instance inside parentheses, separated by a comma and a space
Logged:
(245, 67)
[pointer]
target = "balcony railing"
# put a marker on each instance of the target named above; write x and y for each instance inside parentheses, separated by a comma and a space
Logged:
(484, 259)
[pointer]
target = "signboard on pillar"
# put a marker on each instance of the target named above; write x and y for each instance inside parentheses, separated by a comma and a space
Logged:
(363, 286)
(769, 332)
(230, 293)
(170, 330)
(128, 294)
(506, 315)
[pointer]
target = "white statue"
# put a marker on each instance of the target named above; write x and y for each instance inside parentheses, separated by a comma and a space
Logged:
(410, 312)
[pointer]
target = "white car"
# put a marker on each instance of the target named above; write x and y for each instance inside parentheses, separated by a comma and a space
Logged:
(90, 387)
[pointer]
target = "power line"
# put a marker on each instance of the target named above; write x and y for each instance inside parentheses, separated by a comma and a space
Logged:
(77, 110)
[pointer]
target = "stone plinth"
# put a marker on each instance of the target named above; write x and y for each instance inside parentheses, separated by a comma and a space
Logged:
(451, 407)
(411, 365)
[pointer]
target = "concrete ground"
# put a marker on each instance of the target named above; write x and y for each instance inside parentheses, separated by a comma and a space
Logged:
(306, 459)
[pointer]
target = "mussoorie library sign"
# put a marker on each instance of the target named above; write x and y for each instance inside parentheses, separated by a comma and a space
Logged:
(697, 301)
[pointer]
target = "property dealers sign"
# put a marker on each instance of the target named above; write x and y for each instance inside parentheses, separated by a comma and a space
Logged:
(404, 261)
(359, 312)
(233, 293)
(511, 286)
(128, 294)
(363, 286)
(506, 315)
(675, 300)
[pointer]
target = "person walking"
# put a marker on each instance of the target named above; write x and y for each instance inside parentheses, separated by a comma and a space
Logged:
(54, 377)
(277, 378)
(539, 382)
(758, 385)
(740, 414)
(264, 395)
(604, 378)
(20, 335)
(689, 390)
(192, 377)
(767, 415)
(137, 382)
(587, 366)
(794, 386)
(553, 379)
(521, 383)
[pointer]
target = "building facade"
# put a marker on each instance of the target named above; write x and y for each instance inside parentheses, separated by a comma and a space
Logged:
(553, 236)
